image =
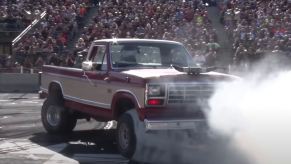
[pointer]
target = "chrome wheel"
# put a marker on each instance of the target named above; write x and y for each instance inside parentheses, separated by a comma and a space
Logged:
(55, 118)
(54, 115)
(123, 136)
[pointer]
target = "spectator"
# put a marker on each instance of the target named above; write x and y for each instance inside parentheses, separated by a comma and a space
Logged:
(39, 62)
(211, 58)
(70, 60)
(80, 44)
(27, 63)
(240, 54)
(258, 27)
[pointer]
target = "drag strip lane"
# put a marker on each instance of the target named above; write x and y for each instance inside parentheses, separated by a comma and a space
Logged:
(23, 139)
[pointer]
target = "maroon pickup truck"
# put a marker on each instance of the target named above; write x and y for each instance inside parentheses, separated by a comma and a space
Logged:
(145, 85)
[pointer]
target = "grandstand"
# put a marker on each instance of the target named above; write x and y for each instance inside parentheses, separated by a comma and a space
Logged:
(53, 32)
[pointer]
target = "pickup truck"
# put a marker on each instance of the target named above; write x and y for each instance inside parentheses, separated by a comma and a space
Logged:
(145, 85)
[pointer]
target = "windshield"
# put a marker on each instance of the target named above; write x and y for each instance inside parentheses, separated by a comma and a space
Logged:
(140, 55)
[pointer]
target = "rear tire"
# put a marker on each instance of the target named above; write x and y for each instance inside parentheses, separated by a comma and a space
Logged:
(126, 139)
(56, 119)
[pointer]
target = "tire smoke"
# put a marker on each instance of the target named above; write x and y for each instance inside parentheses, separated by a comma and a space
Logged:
(255, 113)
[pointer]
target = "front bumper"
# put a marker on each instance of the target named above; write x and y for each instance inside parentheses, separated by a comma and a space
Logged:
(195, 124)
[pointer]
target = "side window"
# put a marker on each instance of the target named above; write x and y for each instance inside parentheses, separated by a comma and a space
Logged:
(98, 57)
(100, 54)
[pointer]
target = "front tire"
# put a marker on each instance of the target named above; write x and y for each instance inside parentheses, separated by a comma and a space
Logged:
(126, 139)
(56, 119)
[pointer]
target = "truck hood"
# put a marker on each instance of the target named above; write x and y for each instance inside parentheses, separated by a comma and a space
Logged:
(174, 75)
(153, 73)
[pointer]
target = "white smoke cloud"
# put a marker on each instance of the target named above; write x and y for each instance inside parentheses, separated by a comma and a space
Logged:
(255, 112)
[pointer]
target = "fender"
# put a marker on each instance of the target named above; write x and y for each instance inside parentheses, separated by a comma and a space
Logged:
(126, 94)
(58, 83)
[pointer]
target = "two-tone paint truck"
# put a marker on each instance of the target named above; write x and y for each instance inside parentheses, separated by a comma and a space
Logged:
(144, 84)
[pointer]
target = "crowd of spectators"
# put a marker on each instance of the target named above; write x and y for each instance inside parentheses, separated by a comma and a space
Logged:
(258, 27)
(255, 27)
(47, 42)
(183, 21)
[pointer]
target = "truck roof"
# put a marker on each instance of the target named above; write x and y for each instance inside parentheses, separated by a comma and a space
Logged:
(123, 40)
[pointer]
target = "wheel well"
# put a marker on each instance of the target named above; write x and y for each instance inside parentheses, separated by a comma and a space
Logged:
(122, 106)
(55, 90)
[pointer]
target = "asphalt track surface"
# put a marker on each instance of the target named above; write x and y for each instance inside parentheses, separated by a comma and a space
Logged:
(24, 141)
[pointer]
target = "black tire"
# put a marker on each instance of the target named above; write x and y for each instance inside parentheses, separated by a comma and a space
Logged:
(126, 150)
(64, 123)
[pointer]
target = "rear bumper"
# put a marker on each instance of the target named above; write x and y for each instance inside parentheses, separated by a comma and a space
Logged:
(151, 125)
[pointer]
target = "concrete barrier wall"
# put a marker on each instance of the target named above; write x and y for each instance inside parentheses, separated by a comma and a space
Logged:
(16, 82)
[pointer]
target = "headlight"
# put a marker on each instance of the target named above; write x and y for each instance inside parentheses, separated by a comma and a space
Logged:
(156, 90)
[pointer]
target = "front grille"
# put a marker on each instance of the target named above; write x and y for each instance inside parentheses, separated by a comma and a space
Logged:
(188, 93)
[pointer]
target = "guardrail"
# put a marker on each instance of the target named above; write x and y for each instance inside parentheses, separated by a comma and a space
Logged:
(21, 70)
(15, 41)
(21, 83)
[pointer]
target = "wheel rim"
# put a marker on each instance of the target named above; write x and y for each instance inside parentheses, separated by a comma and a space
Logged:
(53, 115)
(123, 136)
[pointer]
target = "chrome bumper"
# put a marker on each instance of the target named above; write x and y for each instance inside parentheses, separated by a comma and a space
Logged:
(174, 124)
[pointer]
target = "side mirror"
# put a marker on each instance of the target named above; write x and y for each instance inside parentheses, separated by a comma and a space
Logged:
(90, 66)
(87, 66)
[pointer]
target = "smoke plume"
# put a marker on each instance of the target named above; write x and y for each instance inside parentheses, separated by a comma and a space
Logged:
(255, 113)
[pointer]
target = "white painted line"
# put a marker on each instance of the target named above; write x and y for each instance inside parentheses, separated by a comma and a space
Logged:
(32, 102)
(25, 126)
(4, 100)
(4, 117)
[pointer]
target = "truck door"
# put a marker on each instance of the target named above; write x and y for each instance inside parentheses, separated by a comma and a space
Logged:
(95, 79)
